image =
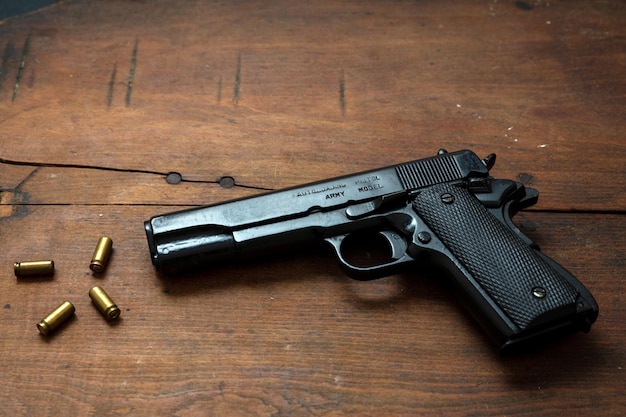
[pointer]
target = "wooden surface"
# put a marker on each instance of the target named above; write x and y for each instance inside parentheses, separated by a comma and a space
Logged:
(100, 101)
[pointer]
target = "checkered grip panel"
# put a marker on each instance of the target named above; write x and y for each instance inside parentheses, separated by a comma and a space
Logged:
(500, 262)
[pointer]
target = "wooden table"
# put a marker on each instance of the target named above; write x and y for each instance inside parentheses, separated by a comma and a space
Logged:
(113, 112)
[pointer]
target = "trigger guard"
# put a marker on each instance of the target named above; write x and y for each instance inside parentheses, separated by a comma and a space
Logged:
(362, 273)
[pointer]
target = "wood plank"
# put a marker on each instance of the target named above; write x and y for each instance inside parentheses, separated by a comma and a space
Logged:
(101, 102)
(290, 336)
(244, 96)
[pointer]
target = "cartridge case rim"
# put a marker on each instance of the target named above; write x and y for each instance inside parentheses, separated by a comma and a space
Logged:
(104, 303)
(96, 266)
(112, 313)
(44, 327)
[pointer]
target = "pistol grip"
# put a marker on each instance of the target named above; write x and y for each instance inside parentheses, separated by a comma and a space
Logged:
(516, 293)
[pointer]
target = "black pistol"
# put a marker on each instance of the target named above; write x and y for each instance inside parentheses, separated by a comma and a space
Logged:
(445, 210)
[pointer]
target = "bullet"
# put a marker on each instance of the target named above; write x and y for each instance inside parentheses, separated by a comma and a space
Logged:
(33, 268)
(101, 254)
(56, 318)
(103, 303)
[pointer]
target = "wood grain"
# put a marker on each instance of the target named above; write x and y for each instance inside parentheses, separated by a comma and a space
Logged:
(112, 112)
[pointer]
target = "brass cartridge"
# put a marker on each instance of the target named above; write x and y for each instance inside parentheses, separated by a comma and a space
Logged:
(33, 268)
(103, 303)
(56, 318)
(101, 254)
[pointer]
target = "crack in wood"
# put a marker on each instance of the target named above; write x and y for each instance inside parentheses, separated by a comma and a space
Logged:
(114, 169)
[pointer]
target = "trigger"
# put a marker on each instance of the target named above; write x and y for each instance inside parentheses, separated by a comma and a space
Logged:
(396, 243)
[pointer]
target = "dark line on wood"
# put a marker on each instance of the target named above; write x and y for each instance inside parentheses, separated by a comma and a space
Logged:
(111, 85)
(576, 211)
(237, 88)
(18, 187)
(20, 69)
(78, 166)
(104, 205)
(219, 91)
(236, 184)
(131, 72)
(9, 50)
(342, 93)
(113, 169)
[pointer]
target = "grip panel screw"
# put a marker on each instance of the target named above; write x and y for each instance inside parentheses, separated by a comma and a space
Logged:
(539, 292)
(447, 198)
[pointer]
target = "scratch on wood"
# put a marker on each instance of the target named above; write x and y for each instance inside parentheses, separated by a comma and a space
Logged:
(219, 91)
(19, 186)
(20, 69)
(342, 93)
(9, 50)
(131, 72)
(237, 89)
(111, 85)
